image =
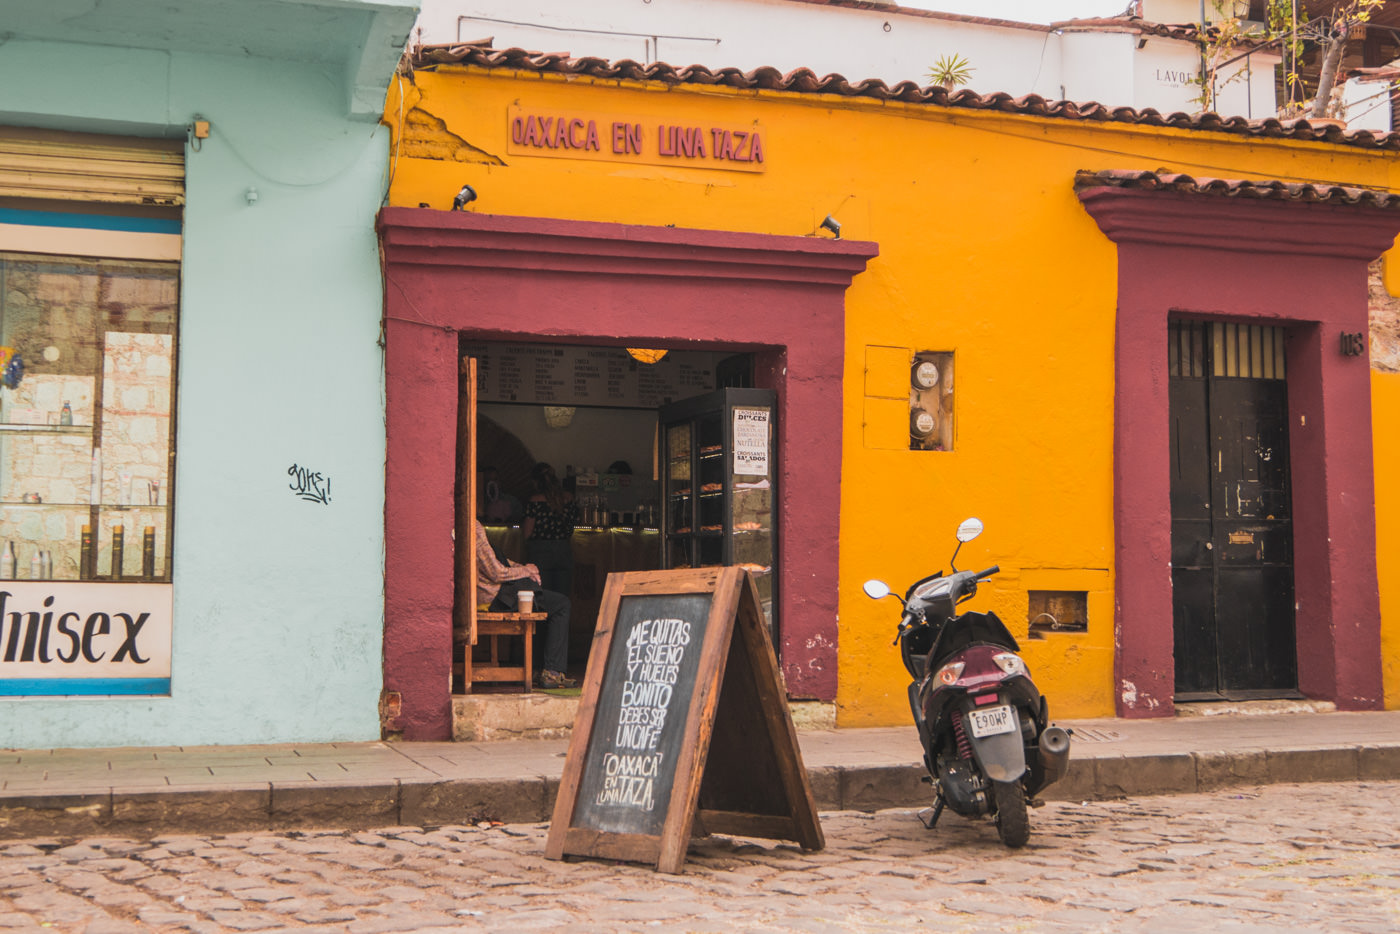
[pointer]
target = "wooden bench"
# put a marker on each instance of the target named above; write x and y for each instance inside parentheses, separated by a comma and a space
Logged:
(495, 626)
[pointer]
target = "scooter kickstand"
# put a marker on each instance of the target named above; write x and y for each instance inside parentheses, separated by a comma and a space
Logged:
(937, 810)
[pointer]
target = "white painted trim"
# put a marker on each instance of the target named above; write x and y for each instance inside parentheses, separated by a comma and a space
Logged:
(84, 241)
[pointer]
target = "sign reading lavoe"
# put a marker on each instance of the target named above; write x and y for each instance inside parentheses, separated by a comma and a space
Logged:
(61, 639)
(616, 138)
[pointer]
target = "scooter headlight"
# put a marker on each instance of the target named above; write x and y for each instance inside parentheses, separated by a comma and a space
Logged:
(1011, 663)
(951, 672)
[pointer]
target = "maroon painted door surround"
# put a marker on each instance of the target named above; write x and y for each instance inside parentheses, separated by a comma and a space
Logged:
(520, 279)
(1298, 265)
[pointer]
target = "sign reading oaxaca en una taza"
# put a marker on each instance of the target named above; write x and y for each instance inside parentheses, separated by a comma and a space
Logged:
(615, 139)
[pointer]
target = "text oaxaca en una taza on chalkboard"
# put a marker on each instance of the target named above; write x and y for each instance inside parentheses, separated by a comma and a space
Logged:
(655, 648)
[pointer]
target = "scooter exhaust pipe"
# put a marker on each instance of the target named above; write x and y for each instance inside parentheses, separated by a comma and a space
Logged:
(1054, 753)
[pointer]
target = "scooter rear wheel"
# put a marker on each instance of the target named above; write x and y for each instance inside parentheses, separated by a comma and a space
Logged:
(1013, 826)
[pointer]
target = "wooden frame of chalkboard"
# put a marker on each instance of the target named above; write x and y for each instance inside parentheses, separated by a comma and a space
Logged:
(683, 727)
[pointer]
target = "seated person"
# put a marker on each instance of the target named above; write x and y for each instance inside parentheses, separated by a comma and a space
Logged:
(497, 584)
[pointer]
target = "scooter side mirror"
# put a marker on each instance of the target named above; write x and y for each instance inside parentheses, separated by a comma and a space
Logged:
(970, 529)
(875, 589)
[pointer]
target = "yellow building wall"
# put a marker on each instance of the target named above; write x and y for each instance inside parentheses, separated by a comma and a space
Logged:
(985, 252)
(1385, 416)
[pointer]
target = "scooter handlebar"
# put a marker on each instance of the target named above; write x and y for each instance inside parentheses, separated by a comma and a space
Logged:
(988, 572)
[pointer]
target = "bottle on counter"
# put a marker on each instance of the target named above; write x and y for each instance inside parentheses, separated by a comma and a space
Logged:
(118, 537)
(85, 562)
(148, 553)
(66, 416)
(46, 565)
(36, 566)
(7, 562)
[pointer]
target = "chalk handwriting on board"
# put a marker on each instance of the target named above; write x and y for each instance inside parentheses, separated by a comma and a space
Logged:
(655, 650)
(309, 485)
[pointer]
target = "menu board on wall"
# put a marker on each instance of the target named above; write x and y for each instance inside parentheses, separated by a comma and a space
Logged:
(554, 374)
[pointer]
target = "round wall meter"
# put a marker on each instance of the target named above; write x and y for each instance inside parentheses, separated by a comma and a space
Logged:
(925, 375)
(921, 423)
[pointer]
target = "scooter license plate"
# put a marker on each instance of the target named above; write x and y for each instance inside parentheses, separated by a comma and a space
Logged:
(992, 721)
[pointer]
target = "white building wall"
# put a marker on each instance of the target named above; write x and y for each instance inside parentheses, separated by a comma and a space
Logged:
(1368, 105)
(749, 34)
(1098, 66)
(1020, 59)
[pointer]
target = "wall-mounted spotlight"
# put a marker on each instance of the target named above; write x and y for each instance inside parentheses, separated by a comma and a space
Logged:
(251, 196)
(833, 225)
(464, 197)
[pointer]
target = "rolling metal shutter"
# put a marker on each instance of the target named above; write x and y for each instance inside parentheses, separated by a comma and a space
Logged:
(82, 167)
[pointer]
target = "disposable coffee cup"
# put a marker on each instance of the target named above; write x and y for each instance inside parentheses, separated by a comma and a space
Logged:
(525, 601)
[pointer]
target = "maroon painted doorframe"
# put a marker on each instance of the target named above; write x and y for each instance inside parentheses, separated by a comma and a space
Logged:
(517, 278)
(1280, 262)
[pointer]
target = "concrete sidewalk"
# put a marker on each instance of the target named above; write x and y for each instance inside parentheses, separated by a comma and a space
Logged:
(149, 791)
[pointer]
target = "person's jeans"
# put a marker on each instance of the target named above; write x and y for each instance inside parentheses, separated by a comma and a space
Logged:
(556, 624)
(555, 559)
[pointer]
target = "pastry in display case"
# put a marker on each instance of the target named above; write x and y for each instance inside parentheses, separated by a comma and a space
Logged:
(718, 478)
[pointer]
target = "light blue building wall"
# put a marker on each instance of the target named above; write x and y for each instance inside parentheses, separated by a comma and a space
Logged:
(278, 601)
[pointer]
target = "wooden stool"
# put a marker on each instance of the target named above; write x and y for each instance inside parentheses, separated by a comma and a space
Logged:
(496, 625)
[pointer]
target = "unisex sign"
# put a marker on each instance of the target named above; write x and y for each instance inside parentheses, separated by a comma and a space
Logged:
(617, 138)
(60, 638)
(683, 726)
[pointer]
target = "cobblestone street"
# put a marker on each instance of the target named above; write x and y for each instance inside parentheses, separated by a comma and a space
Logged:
(1317, 857)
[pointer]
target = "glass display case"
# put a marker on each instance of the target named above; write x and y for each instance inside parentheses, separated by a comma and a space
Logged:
(719, 483)
(86, 442)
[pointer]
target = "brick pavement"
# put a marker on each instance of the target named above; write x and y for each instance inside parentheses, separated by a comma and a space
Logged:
(1315, 857)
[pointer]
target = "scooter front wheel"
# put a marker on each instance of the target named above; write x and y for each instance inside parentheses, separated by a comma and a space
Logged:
(1013, 826)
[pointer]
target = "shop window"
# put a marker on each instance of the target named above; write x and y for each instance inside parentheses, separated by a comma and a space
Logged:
(86, 431)
(931, 401)
(1058, 611)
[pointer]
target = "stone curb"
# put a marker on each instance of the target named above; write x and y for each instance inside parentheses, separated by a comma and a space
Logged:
(361, 805)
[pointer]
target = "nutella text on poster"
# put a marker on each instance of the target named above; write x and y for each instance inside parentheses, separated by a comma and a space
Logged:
(751, 442)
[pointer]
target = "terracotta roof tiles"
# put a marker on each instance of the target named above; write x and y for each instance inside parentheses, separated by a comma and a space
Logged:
(1268, 190)
(805, 81)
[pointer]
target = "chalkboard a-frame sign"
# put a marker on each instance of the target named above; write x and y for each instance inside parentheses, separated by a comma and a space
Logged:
(683, 728)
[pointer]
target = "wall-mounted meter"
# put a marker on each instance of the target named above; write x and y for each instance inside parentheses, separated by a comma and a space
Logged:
(925, 374)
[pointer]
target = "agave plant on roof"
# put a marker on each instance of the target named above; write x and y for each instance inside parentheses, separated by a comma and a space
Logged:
(951, 71)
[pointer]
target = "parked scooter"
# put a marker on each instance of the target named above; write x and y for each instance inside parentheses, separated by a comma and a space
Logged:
(985, 728)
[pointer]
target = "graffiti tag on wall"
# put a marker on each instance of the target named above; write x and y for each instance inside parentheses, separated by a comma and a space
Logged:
(312, 486)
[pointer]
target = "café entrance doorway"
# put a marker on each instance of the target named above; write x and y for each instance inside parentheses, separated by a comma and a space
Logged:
(591, 413)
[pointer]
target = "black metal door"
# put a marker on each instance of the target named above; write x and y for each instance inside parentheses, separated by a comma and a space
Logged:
(1232, 532)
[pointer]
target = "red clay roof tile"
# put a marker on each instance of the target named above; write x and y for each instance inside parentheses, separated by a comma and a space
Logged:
(805, 81)
(1254, 189)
